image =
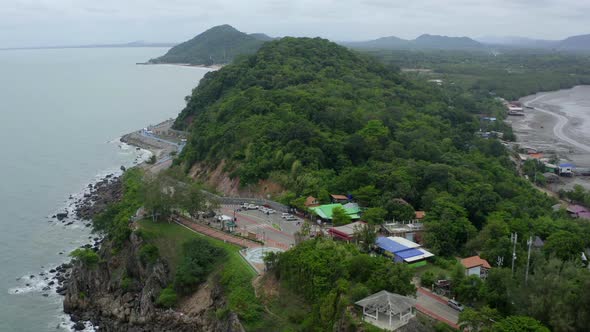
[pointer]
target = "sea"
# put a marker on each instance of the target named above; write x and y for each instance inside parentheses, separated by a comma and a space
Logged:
(62, 112)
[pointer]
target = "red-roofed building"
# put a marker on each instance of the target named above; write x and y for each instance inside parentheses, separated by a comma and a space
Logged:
(419, 215)
(339, 199)
(311, 201)
(346, 232)
(476, 265)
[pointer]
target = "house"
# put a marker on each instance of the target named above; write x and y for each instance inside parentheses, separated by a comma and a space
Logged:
(576, 210)
(411, 230)
(476, 265)
(339, 198)
(403, 250)
(419, 215)
(311, 201)
(325, 211)
(345, 232)
(566, 169)
(387, 311)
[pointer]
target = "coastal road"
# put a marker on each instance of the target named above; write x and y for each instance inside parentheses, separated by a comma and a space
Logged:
(436, 307)
(558, 129)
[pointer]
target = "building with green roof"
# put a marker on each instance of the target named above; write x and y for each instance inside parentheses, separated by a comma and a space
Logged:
(325, 211)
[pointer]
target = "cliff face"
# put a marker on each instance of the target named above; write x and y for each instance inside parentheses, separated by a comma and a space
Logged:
(222, 181)
(119, 295)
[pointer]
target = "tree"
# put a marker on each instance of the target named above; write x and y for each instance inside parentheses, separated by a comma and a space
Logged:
(478, 320)
(367, 195)
(158, 197)
(399, 211)
(339, 216)
(468, 289)
(519, 324)
(565, 245)
(374, 216)
(495, 289)
(447, 228)
(365, 236)
(192, 198)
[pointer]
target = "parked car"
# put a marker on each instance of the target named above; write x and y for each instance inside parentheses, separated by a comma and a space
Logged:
(271, 211)
(252, 207)
(455, 305)
(291, 218)
(284, 215)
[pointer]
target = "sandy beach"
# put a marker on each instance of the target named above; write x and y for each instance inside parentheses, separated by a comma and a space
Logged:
(558, 125)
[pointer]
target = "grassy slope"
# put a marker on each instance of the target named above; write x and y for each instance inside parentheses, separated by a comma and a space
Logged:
(235, 273)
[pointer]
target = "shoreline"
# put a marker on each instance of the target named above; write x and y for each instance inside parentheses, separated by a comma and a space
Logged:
(554, 128)
(212, 67)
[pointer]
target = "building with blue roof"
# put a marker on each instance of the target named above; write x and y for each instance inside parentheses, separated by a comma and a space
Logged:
(403, 250)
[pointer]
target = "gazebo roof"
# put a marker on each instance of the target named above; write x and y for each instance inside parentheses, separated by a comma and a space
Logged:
(387, 302)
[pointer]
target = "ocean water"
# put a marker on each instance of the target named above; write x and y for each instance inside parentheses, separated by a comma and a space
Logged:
(61, 114)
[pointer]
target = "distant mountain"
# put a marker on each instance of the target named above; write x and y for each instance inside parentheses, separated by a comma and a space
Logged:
(516, 41)
(218, 45)
(575, 43)
(262, 36)
(444, 42)
(380, 43)
(423, 42)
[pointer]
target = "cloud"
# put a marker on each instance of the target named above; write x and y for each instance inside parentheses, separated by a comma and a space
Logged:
(42, 22)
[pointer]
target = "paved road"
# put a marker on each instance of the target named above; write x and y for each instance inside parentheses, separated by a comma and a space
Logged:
(256, 222)
(436, 307)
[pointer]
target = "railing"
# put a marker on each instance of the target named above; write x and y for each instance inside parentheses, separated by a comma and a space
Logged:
(241, 200)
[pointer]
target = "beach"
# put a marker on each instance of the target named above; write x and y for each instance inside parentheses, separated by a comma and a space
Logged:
(558, 125)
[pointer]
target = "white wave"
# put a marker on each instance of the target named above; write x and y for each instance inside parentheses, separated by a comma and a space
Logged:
(66, 324)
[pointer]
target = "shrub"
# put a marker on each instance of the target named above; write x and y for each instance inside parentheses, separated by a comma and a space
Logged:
(87, 256)
(149, 254)
(167, 298)
(427, 279)
(152, 160)
(198, 259)
(126, 283)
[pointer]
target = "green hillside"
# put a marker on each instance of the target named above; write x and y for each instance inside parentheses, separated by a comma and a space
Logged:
(317, 118)
(218, 45)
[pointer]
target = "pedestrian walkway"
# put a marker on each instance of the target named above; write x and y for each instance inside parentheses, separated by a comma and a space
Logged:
(215, 233)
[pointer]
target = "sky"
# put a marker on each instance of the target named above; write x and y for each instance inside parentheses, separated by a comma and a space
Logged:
(25, 23)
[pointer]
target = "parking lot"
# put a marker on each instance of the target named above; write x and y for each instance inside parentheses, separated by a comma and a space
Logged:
(270, 228)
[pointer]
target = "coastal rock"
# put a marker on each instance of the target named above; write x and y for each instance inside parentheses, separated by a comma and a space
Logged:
(79, 326)
(106, 305)
(61, 216)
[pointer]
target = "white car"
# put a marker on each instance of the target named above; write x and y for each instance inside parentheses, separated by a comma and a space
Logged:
(252, 207)
(284, 215)
(291, 218)
(271, 211)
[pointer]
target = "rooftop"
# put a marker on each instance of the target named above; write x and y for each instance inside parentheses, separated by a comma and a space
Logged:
(387, 302)
(339, 197)
(474, 261)
(325, 211)
(346, 231)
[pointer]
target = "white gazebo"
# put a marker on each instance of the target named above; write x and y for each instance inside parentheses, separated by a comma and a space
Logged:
(387, 310)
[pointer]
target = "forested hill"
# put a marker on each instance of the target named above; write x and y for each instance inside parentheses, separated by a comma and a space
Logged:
(317, 118)
(218, 45)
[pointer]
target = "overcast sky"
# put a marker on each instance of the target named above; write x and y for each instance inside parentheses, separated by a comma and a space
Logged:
(61, 22)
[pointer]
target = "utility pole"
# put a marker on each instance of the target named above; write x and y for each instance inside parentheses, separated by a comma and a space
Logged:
(529, 242)
(513, 239)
